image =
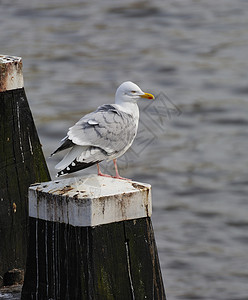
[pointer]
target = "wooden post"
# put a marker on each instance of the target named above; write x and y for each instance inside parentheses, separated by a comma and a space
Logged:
(91, 238)
(21, 164)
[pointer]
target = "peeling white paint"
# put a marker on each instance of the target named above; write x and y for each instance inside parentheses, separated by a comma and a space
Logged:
(11, 77)
(19, 131)
(129, 271)
(90, 201)
(30, 145)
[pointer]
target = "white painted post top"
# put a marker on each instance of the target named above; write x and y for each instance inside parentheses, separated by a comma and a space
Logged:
(11, 77)
(90, 201)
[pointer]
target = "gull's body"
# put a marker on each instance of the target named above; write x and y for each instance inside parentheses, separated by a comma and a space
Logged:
(104, 134)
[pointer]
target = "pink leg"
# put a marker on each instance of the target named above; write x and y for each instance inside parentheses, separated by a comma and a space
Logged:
(117, 173)
(100, 173)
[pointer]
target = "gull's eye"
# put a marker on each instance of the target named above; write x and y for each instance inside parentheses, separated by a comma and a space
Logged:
(133, 92)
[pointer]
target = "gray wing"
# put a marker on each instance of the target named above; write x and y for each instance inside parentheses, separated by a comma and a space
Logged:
(107, 128)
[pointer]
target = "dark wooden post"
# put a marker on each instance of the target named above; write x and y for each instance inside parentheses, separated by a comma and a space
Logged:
(21, 164)
(91, 238)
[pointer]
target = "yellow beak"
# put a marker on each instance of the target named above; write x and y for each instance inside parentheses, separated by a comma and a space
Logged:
(147, 96)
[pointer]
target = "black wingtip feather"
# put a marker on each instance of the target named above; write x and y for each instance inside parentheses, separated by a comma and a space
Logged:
(74, 167)
(66, 144)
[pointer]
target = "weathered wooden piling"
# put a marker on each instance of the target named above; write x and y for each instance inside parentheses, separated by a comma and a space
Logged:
(91, 238)
(21, 164)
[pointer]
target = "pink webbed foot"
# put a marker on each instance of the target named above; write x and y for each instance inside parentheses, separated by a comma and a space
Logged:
(99, 173)
(117, 176)
(122, 178)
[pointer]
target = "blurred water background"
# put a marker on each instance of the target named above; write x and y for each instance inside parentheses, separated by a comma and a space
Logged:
(192, 146)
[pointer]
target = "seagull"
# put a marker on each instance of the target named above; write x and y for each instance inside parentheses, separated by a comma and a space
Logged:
(104, 134)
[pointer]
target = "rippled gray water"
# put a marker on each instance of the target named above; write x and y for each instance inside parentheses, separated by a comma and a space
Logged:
(191, 148)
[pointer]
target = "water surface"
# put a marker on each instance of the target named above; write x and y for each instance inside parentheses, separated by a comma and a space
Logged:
(76, 53)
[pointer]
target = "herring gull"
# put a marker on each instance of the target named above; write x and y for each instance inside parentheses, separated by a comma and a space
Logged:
(104, 134)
